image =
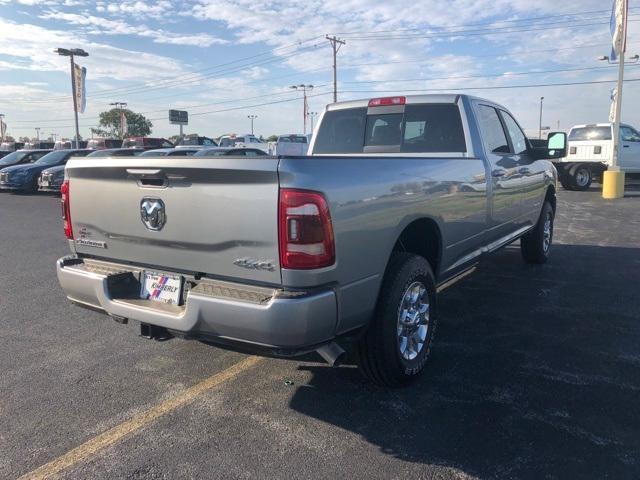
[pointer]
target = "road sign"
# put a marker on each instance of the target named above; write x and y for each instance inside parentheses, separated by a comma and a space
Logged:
(178, 117)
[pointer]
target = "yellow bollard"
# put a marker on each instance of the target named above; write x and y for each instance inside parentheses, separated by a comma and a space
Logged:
(613, 184)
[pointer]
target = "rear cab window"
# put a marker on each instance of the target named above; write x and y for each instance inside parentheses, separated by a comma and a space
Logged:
(585, 134)
(415, 128)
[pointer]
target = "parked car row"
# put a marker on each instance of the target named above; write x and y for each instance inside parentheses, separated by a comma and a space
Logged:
(43, 170)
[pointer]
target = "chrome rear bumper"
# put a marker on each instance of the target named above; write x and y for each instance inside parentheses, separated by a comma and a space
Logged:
(265, 317)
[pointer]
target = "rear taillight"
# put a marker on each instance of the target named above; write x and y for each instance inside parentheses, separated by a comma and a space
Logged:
(305, 231)
(385, 101)
(597, 150)
(66, 210)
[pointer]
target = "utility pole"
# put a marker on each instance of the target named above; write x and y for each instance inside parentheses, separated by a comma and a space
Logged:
(305, 107)
(120, 106)
(336, 43)
(66, 52)
(54, 136)
(311, 115)
(540, 129)
(252, 118)
(38, 134)
(613, 178)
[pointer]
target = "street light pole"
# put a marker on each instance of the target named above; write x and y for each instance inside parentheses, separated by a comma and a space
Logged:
(252, 118)
(540, 127)
(311, 115)
(305, 107)
(120, 106)
(38, 134)
(66, 52)
(2, 133)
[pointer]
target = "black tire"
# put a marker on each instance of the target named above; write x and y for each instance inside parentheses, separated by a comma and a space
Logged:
(565, 181)
(581, 177)
(379, 351)
(533, 245)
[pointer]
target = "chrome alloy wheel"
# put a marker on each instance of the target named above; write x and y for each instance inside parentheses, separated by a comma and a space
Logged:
(582, 177)
(413, 320)
(547, 231)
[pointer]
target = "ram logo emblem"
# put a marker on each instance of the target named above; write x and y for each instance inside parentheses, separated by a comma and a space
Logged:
(152, 213)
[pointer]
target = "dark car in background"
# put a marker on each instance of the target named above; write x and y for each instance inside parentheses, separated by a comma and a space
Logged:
(4, 153)
(148, 143)
(243, 152)
(103, 143)
(170, 152)
(196, 141)
(117, 152)
(25, 177)
(51, 179)
(21, 156)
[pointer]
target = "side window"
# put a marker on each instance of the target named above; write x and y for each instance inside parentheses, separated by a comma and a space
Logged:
(518, 140)
(629, 135)
(166, 144)
(206, 141)
(492, 132)
(250, 153)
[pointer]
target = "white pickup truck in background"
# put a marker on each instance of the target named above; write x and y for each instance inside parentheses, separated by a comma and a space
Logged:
(590, 151)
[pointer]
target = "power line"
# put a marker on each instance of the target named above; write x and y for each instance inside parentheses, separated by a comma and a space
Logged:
(494, 87)
(525, 19)
(483, 32)
(489, 75)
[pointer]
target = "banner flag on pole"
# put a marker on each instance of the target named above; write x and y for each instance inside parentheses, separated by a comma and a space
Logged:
(124, 126)
(618, 30)
(81, 98)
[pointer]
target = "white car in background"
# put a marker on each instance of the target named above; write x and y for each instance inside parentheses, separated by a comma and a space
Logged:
(292, 144)
(590, 150)
(243, 141)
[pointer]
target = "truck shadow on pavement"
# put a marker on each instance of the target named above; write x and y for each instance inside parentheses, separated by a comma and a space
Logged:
(535, 373)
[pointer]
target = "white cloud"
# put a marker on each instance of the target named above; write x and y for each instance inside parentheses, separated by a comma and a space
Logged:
(94, 25)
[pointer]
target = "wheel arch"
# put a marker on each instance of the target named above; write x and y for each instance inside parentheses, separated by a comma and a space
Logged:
(421, 236)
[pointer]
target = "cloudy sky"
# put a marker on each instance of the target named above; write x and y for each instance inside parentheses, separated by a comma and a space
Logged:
(222, 60)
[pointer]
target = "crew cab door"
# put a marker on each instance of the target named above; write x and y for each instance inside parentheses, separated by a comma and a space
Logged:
(506, 180)
(530, 175)
(630, 152)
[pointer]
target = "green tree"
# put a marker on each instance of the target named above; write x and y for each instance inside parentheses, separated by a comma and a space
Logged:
(272, 138)
(137, 124)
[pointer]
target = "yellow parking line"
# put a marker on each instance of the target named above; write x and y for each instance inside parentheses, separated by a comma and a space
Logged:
(117, 433)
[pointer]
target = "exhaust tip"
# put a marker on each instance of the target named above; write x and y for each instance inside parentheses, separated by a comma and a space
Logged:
(332, 353)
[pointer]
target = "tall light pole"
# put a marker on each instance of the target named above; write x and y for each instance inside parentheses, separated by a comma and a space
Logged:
(73, 52)
(311, 115)
(252, 118)
(2, 129)
(38, 134)
(120, 106)
(305, 107)
(540, 128)
(54, 136)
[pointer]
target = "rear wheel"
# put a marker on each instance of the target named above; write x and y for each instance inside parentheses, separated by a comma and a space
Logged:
(536, 244)
(398, 341)
(581, 177)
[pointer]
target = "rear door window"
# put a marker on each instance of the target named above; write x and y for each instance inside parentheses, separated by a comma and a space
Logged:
(492, 132)
(342, 131)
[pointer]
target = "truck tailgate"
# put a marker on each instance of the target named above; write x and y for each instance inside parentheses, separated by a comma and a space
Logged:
(220, 214)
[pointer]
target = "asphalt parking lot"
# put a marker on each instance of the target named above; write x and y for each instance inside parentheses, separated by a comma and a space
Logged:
(535, 374)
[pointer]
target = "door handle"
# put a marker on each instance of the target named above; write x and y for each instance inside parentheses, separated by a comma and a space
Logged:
(625, 146)
(498, 173)
(524, 171)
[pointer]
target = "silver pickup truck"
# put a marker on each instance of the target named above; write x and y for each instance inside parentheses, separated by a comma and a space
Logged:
(399, 198)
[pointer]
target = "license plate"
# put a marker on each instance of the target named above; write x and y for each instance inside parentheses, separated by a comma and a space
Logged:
(44, 183)
(161, 287)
